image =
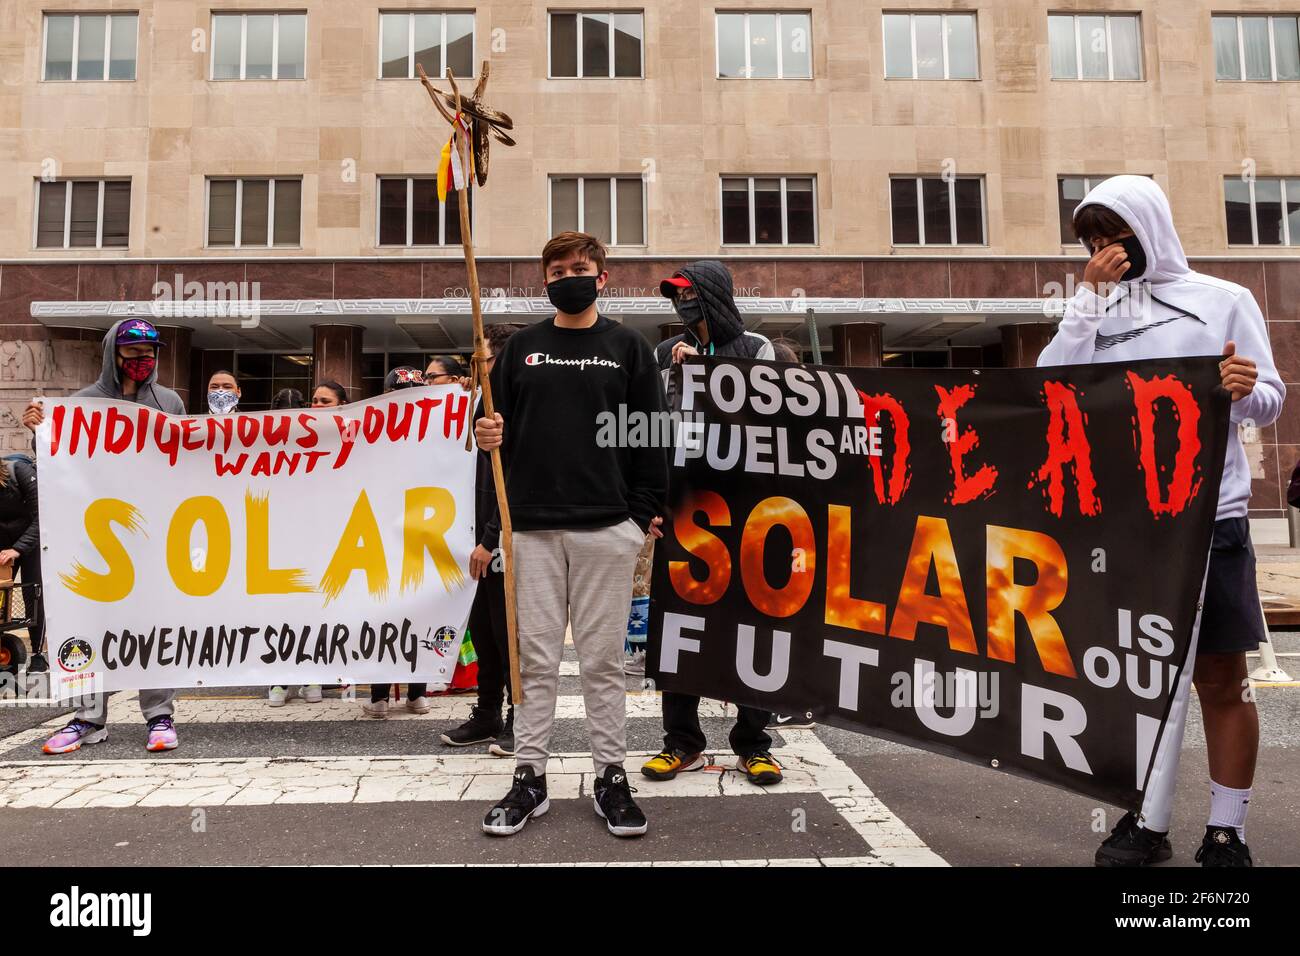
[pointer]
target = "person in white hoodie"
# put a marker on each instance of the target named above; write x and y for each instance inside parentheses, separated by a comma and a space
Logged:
(1139, 299)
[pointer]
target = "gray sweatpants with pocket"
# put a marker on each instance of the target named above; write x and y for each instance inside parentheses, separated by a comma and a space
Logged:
(584, 576)
(154, 702)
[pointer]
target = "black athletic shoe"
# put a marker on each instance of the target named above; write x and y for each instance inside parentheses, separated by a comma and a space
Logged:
(526, 799)
(790, 722)
(614, 804)
(37, 664)
(482, 726)
(504, 745)
(1132, 845)
(1222, 847)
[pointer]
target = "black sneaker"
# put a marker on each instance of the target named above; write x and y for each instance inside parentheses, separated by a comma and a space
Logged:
(614, 804)
(1222, 847)
(37, 664)
(790, 722)
(526, 799)
(504, 745)
(482, 726)
(1131, 844)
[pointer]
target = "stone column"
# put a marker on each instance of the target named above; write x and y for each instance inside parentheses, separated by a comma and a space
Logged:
(1023, 342)
(174, 367)
(337, 357)
(859, 344)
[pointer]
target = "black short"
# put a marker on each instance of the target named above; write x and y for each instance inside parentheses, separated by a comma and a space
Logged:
(1231, 619)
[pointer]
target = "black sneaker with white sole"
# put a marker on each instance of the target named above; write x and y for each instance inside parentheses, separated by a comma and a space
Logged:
(504, 745)
(526, 799)
(482, 726)
(614, 804)
(790, 722)
(1131, 844)
(1222, 847)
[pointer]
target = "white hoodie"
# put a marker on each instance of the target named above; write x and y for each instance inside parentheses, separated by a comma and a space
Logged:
(1132, 325)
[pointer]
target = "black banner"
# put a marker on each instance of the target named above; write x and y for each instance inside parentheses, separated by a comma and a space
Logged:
(1003, 564)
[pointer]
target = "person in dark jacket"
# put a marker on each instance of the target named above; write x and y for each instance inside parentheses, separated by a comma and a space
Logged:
(701, 294)
(20, 546)
(702, 297)
(487, 616)
(129, 374)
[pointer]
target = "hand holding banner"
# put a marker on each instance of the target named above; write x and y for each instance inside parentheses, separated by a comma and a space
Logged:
(305, 546)
(1003, 565)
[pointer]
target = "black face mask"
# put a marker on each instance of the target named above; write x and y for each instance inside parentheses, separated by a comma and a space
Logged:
(572, 295)
(690, 311)
(1137, 258)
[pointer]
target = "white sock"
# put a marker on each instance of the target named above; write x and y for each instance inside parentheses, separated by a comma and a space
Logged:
(1228, 808)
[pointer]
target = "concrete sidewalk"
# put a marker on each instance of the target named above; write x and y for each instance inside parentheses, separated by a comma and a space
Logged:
(1278, 574)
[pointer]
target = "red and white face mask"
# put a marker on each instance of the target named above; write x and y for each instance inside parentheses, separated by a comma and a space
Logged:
(139, 367)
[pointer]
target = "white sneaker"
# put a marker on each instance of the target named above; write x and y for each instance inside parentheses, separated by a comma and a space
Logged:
(635, 664)
(418, 706)
(375, 708)
(277, 696)
(311, 693)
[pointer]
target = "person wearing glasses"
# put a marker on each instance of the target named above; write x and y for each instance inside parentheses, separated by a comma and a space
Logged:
(444, 370)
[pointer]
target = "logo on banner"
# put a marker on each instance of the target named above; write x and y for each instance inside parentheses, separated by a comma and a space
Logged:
(443, 639)
(75, 655)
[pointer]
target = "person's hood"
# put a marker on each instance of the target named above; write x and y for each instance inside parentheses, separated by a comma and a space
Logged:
(1143, 205)
(713, 285)
(109, 383)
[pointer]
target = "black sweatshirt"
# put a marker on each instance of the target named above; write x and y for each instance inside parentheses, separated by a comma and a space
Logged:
(550, 385)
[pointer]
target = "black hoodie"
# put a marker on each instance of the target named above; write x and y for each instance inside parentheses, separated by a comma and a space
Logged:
(727, 336)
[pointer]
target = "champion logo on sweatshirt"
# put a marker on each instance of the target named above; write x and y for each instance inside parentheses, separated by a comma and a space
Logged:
(544, 358)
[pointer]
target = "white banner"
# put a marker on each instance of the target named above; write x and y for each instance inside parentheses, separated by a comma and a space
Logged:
(322, 546)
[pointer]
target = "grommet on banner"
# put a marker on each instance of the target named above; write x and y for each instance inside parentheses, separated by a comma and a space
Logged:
(994, 762)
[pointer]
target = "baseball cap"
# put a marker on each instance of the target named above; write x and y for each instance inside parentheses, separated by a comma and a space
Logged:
(138, 332)
(671, 286)
(403, 377)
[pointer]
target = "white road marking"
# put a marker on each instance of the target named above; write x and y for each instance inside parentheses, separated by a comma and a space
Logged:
(68, 782)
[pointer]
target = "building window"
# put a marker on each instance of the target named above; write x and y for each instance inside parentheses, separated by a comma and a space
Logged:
(83, 214)
(90, 46)
(931, 46)
(769, 210)
(254, 212)
(937, 210)
(769, 46)
(1262, 212)
(1256, 48)
(1095, 46)
(611, 208)
(262, 374)
(259, 46)
(434, 41)
(410, 214)
(594, 45)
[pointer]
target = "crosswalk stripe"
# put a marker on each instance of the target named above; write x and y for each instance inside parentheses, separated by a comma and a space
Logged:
(67, 783)
(124, 708)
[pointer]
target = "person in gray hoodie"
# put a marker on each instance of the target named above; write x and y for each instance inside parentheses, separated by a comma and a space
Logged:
(129, 374)
(1140, 299)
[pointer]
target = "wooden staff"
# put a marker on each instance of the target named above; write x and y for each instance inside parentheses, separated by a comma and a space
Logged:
(480, 377)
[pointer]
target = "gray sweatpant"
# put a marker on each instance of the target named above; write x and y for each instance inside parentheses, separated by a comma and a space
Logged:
(153, 703)
(585, 576)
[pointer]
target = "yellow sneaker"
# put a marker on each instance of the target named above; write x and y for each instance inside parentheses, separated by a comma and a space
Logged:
(670, 763)
(760, 768)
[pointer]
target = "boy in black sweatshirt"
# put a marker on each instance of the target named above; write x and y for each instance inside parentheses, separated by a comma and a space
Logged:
(580, 506)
